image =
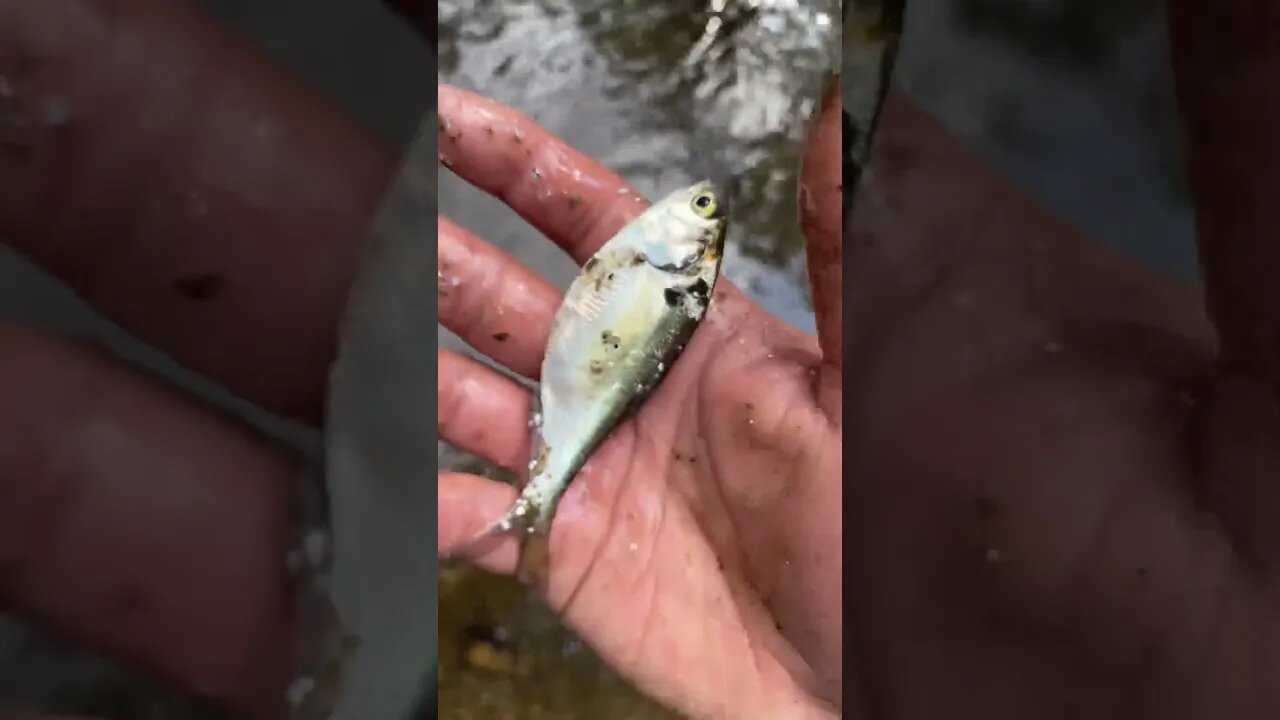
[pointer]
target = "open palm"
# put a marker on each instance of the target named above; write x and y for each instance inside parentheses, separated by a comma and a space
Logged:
(699, 550)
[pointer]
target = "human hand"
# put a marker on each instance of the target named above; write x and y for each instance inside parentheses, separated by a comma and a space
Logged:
(194, 193)
(1063, 476)
(699, 550)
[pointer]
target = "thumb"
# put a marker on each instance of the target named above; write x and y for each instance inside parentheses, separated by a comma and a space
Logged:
(819, 200)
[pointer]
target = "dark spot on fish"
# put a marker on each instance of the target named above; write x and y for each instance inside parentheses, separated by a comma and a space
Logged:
(517, 137)
(596, 366)
(575, 200)
(639, 259)
(591, 264)
(692, 458)
(608, 338)
(501, 337)
(609, 277)
(699, 288)
(750, 407)
(537, 174)
(777, 624)
(676, 454)
(488, 129)
(504, 66)
(672, 296)
(201, 286)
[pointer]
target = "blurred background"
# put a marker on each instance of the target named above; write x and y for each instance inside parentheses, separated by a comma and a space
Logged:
(1071, 98)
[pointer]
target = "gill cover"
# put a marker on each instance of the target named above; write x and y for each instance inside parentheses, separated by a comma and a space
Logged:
(701, 206)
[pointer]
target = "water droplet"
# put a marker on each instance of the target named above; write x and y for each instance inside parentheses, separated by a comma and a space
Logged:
(298, 690)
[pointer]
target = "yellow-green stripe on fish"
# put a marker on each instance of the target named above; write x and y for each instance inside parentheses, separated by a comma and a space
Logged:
(621, 326)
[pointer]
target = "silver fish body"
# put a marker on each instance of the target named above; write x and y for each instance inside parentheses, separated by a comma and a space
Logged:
(621, 326)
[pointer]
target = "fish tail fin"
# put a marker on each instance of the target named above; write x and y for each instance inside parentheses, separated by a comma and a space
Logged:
(519, 520)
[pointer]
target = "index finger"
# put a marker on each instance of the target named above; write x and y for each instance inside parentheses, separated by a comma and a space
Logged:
(570, 198)
(819, 200)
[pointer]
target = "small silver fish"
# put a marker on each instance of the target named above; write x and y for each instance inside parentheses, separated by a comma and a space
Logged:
(621, 326)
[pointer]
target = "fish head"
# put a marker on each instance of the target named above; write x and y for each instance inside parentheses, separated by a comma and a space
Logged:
(687, 230)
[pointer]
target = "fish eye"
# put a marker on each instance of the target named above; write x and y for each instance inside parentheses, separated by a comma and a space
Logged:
(704, 205)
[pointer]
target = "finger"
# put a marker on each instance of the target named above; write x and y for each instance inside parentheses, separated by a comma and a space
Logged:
(572, 199)
(492, 302)
(181, 182)
(421, 14)
(134, 522)
(1233, 154)
(819, 200)
(1225, 58)
(482, 412)
(468, 504)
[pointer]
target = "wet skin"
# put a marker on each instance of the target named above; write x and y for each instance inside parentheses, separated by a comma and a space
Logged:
(1060, 501)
